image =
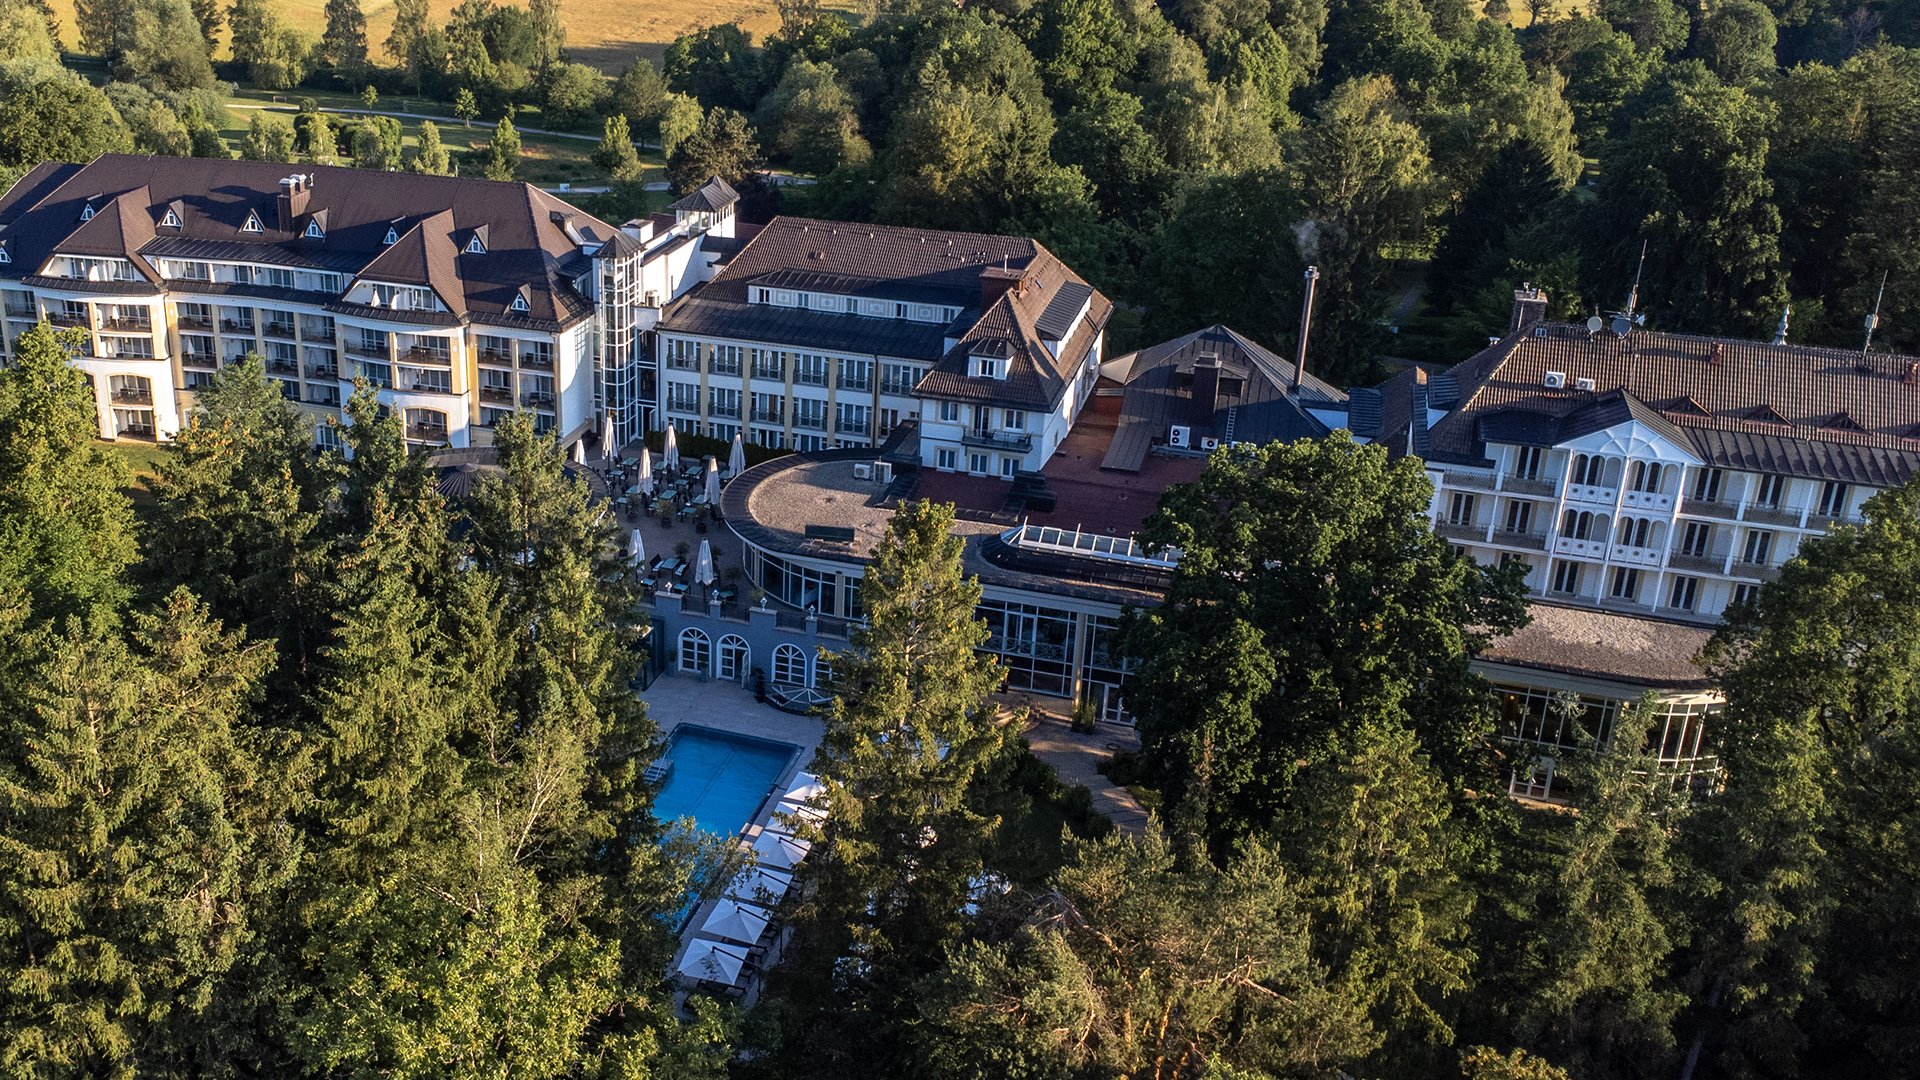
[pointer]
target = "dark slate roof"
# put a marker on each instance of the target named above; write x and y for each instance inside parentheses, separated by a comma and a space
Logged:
(715, 194)
(1584, 641)
(1798, 410)
(533, 240)
(1159, 394)
(921, 266)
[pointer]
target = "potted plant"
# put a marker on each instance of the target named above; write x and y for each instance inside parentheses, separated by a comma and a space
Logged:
(759, 684)
(680, 549)
(1086, 717)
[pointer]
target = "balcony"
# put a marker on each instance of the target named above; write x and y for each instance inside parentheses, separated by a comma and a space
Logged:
(1755, 571)
(323, 371)
(769, 416)
(199, 360)
(424, 386)
(1521, 485)
(500, 394)
(14, 310)
(1648, 500)
(368, 350)
(1469, 480)
(536, 362)
(724, 412)
(324, 395)
(1586, 549)
(897, 388)
(998, 440)
(132, 395)
(433, 433)
(538, 401)
(236, 326)
(316, 336)
(731, 371)
(1774, 515)
(1630, 555)
(1462, 530)
(280, 365)
(1713, 508)
(67, 318)
(864, 386)
(127, 326)
(1701, 564)
(811, 423)
(496, 357)
(279, 330)
(773, 374)
(809, 380)
(1531, 541)
(196, 322)
(418, 355)
(1588, 493)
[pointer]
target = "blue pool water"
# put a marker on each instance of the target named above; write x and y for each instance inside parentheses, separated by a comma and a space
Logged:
(719, 779)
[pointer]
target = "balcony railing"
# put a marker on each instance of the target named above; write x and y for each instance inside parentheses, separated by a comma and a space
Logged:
(367, 350)
(427, 432)
(235, 326)
(279, 330)
(813, 423)
(67, 318)
(773, 373)
(195, 322)
(317, 337)
(127, 326)
(132, 395)
(323, 371)
(1470, 480)
(731, 371)
(536, 362)
(1003, 440)
(424, 386)
(1709, 508)
(1774, 515)
(1592, 549)
(538, 401)
(282, 366)
(418, 355)
(1464, 530)
(201, 360)
(1520, 485)
(17, 311)
(1754, 570)
(1647, 500)
(1535, 541)
(1636, 556)
(502, 394)
(1589, 493)
(769, 416)
(323, 395)
(724, 412)
(1705, 564)
(495, 356)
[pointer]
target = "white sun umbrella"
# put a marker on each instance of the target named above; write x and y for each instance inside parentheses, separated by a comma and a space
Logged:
(805, 788)
(713, 961)
(703, 564)
(737, 457)
(736, 920)
(760, 885)
(645, 480)
(670, 451)
(579, 453)
(637, 547)
(780, 851)
(607, 449)
(801, 812)
(713, 482)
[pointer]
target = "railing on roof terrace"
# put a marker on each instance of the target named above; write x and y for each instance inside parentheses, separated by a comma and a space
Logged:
(1121, 549)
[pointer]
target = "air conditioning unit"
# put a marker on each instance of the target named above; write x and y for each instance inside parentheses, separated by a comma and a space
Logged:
(1209, 443)
(1178, 436)
(863, 470)
(883, 471)
(1556, 380)
(1583, 384)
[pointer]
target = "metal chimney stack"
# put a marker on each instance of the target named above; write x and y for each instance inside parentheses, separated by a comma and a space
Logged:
(1306, 325)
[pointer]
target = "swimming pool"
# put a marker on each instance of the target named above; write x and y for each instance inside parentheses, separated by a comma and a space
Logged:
(718, 778)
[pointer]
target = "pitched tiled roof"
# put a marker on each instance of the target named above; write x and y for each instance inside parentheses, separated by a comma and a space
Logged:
(533, 240)
(1159, 394)
(1632, 649)
(1795, 409)
(918, 266)
(715, 194)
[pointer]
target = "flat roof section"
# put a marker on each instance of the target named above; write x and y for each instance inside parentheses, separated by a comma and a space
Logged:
(1632, 649)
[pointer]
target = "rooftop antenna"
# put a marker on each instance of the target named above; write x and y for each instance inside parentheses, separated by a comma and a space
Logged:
(1633, 297)
(1306, 324)
(1873, 320)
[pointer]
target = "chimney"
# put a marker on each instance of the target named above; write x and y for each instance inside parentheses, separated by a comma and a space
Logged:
(1206, 390)
(1529, 308)
(997, 281)
(295, 190)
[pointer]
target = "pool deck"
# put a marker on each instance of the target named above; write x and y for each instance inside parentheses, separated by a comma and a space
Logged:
(673, 700)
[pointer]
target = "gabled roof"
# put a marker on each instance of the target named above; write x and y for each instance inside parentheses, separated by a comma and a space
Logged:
(1801, 410)
(423, 255)
(526, 245)
(1159, 394)
(714, 195)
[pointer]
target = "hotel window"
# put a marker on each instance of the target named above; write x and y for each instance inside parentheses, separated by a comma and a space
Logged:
(946, 458)
(1519, 516)
(769, 409)
(810, 413)
(1526, 463)
(724, 402)
(726, 359)
(1460, 509)
(1566, 577)
(1577, 525)
(1589, 469)
(695, 650)
(856, 375)
(950, 412)
(978, 464)
(769, 364)
(1744, 594)
(1635, 532)
(683, 397)
(1009, 466)
(809, 370)
(1706, 485)
(1759, 547)
(853, 419)
(1697, 539)
(1626, 583)
(1772, 486)
(898, 378)
(1016, 420)
(1833, 500)
(789, 665)
(1683, 594)
(1646, 476)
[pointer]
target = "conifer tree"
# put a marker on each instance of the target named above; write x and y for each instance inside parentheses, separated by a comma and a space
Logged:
(409, 23)
(431, 157)
(615, 153)
(503, 153)
(343, 47)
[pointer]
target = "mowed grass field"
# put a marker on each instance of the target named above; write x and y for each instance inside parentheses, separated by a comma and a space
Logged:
(605, 33)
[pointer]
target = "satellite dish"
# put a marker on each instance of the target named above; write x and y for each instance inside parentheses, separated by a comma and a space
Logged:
(1622, 326)
(1594, 325)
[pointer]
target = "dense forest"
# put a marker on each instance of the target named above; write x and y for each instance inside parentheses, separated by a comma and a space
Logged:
(1427, 155)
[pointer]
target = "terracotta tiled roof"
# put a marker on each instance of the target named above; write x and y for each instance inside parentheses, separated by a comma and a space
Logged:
(532, 239)
(1802, 410)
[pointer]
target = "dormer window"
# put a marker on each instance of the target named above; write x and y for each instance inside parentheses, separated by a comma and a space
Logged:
(4, 257)
(171, 220)
(519, 303)
(314, 231)
(252, 224)
(988, 358)
(393, 237)
(86, 212)
(475, 247)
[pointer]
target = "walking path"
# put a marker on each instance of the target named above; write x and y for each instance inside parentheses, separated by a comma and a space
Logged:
(543, 132)
(1076, 757)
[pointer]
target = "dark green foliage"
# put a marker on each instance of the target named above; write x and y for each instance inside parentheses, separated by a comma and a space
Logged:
(723, 145)
(344, 45)
(716, 66)
(48, 113)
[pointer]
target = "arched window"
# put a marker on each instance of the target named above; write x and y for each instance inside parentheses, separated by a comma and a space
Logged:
(789, 665)
(733, 655)
(1589, 469)
(1635, 532)
(1647, 475)
(695, 651)
(1577, 525)
(822, 669)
